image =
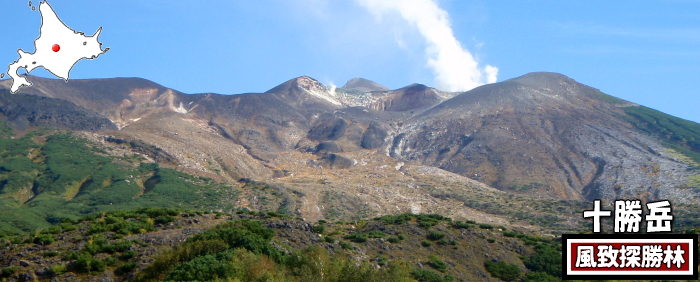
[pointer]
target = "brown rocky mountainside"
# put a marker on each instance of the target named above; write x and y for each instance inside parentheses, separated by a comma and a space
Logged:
(364, 150)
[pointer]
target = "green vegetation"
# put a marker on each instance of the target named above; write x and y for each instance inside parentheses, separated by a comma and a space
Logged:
(546, 259)
(7, 271)
(681, 135)
(434, 236)
(46, 179)
(436, 263)
(424, 220)
(241, 250)
(320, 229)
(57, 270)
(502, 270)
(424, 275)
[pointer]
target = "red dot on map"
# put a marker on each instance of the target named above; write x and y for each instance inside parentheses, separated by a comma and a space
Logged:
(55, 47)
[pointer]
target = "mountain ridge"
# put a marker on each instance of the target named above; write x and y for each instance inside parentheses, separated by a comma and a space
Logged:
(541, 135)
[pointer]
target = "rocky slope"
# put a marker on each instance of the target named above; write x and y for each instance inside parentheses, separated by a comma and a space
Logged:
(365, 150)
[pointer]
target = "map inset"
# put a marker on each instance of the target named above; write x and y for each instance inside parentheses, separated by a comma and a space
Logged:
(58, 49)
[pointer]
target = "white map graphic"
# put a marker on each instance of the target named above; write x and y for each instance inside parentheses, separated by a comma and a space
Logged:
(58, 49)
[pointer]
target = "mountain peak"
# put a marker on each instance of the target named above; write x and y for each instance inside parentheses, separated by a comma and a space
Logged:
(364, 85)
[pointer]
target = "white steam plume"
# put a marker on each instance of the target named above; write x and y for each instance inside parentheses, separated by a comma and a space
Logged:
(454, 67)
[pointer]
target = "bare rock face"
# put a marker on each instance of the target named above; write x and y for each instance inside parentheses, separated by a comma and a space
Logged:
(364, 85)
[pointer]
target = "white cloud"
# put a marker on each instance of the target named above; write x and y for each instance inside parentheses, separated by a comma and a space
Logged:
(454, 67)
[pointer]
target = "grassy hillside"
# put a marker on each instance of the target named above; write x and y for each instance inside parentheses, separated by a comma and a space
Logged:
(676, 133)
(170, 245)
(46, 177)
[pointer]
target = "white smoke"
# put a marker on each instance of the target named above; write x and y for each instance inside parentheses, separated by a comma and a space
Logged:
(333, 87)
(454, 67)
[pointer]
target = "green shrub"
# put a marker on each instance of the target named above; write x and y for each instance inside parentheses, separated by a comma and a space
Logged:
(329, 239)
(424, 275)
(346, 245)
(426, 243)
(51, 253)
(43, 239)
(545, 259)
(382, 260)
(401, 236)
(320, 229)
(111, 261)
(356, 237)
(7, 271)
(70, 256)
(535, 276)
(53, 230)
(127, 255)
(491, 240)
(509, 234)
(87, 263)
(485, 226)
(125, 268)
(164, 219)
(16, 240)
(113, 220)
(502, 270)
(393, 239)
(442, 242)
(436, 263)
(116, 247)
(376, 234)
(461, 225)
(434, 236)
(57, 269)
(68, 227)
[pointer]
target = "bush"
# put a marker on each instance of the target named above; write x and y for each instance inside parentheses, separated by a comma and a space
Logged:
(356, 237)
(426, 243)
(535, 276)
(376, 234)
(485, 226)
(382, 260)
(545, 259)
(125, 268)
(51, 254)
(434, 236)
(461, 225)
(346, 245)
(491, 240)
(442, 242)
(43, 239)
(510, 234)
(87, 263)
(401, 237)
(16, 240)
(164, 219)
(116, 247)
(320, 229)
(393, 239)
(436, 263)
(7, 271)
(57, 270)
(127, 255)
(502, 270)
(111, 261)
(329, 239)
(424, 275)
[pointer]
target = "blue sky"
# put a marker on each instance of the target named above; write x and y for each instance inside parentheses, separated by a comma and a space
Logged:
(647, 52)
